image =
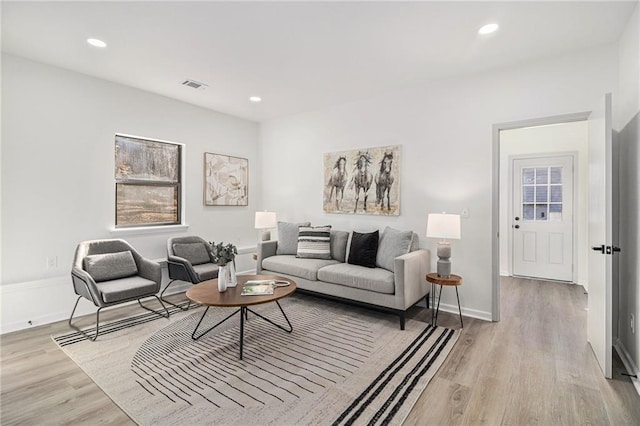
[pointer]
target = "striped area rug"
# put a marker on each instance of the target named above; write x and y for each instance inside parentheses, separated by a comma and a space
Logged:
(340, 365)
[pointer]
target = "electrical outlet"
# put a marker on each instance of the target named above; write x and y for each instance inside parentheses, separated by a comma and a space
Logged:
(52, 262)
(633, 323)
(465, 213)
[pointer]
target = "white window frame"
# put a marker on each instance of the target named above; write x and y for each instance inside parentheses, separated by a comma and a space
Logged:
(155, 228)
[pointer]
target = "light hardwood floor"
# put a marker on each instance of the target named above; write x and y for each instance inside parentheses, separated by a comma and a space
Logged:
(533, 367)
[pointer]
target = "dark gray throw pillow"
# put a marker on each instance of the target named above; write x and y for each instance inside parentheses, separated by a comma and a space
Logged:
(363, 249)
(195, 253)
(288, 237)
(110, 266)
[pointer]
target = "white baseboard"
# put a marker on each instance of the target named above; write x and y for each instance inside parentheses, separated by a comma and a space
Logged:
(467, 312)
(629, 365)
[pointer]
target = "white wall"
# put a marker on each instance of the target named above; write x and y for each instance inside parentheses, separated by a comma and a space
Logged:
(627, 123)
(445, 131)
(565, 137)
(58, 188)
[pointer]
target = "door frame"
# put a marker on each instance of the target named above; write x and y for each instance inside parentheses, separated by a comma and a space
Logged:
(495, 193)
(574, 197)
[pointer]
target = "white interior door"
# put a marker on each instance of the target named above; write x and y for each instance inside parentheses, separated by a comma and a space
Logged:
(542, 222)
(599, 324)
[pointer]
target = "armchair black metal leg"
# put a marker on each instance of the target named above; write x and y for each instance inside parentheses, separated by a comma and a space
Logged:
(170, 303)
(84, 333)
(154, 311)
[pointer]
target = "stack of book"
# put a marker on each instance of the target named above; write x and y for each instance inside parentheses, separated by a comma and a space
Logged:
(262, 287)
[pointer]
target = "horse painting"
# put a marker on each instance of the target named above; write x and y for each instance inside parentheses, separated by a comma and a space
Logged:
(362, 177)
(349, 177)
(338, 180)
(384, 180)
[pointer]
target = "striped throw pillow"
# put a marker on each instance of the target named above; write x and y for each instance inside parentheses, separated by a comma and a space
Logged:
(314, 242)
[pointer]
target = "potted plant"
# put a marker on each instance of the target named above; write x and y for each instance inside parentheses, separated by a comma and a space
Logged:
(224, 256)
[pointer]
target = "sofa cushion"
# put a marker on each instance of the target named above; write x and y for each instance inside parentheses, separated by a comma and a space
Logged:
(314, 242)
(363, 249)
(126, 288)
(195, 253)
(372, 279)
(110, 266)
(206, 271)
(288, 237)
(415, 242)
(393, 243)
(338, 243)
(291, 265)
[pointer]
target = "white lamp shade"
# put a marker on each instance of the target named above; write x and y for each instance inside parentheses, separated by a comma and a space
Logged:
(442, 225)
(265, 220)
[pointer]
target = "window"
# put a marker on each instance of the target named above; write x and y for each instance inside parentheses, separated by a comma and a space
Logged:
(148, 182)
(542, 193)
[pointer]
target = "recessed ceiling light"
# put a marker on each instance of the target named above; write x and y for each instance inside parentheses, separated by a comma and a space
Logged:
(255, 99)
(97, 43)
(488, 29)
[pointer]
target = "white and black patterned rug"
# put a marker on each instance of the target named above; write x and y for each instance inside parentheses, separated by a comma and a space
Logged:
(340, 365)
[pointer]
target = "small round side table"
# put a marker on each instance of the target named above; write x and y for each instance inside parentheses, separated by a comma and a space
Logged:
(451, 280)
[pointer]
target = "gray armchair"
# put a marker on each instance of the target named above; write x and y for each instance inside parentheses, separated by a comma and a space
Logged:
(110, 272)
(189, 259)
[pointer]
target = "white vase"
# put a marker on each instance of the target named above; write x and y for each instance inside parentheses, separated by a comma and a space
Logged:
(223, 278)
(233, 280)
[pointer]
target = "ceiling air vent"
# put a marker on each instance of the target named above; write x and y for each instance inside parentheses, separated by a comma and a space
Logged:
(194, 84)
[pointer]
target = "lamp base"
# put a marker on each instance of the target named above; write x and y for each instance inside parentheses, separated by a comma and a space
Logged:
(444, 264)
(265, 236)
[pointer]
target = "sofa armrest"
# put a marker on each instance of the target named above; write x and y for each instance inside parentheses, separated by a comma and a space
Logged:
(265, 249)
(410, 276)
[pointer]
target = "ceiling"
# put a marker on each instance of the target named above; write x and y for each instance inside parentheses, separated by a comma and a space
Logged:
(297, 56)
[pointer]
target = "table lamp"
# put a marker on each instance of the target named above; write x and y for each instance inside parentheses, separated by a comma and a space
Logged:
(265, 221)
(444, 226)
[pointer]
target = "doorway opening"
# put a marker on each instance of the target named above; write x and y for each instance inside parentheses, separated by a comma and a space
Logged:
(546, 137)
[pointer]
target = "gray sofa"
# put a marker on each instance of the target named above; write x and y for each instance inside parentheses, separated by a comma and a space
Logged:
(396, 283)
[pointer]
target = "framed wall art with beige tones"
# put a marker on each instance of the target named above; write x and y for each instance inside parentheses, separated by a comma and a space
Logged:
(363, 181)
(226, 180)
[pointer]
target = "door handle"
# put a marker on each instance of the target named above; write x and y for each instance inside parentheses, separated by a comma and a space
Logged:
(616, 249)
(517, 218)
(517, 226)
(598, 248)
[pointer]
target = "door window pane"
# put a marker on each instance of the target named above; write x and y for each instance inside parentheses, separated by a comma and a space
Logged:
(556, 193)
(528, 212)
(542, 175)
(556, 175)
(555, 212)
(542, 194)
(528, 176)
(541, 212)
(528, 193)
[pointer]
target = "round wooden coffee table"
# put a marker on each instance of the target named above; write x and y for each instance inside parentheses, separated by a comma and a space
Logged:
(206, 293)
